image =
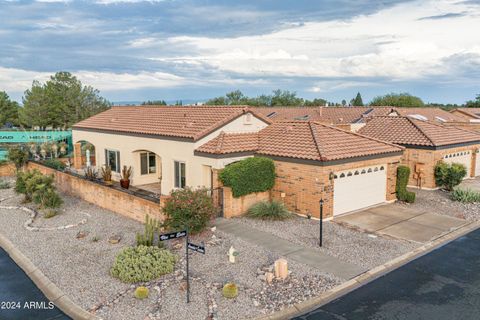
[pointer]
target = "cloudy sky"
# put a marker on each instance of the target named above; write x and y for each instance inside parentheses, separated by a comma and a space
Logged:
(175, 49)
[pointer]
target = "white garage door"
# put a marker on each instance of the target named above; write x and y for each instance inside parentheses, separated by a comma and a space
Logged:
(464, 157)
(359, 188)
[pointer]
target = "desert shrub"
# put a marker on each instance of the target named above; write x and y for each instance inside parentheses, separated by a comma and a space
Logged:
(21, 182)
(403, 174)
(18, 155)
(249, 175)
(91, 173)
(50, 213)
(39, 188)
(48, 198)
(55, 164)
(449, 176)
(188, 208)
(141, 293)
(4, 184)
(230, 290)
(465, 195)
(267, 210)
(135, 264)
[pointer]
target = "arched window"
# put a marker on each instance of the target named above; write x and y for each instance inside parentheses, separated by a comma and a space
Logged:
(382, 168)
(349, 174)
(363, 171)
(342, 175)
(369, 170)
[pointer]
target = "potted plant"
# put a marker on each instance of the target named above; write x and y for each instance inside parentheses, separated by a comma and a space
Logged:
(90, 173)
(126, 174)
(63, 147)
(107, 175)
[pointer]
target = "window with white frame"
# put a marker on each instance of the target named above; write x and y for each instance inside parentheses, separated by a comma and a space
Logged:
(112, 159)
(148, 163)
(180, 176)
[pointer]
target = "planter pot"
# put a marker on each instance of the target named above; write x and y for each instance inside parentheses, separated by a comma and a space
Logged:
(125, 184)
(108, 183)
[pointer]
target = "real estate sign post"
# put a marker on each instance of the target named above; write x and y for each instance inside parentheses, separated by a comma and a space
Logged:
(321, 222)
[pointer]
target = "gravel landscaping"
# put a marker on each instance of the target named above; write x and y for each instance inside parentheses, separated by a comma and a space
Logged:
(344, 243)
(439, 202)
(78, 260)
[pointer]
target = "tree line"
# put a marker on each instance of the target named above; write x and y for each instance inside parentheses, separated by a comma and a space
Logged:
(58, 103)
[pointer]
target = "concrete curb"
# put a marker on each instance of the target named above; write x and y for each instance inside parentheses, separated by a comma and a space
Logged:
(366, 277)
(49, 289)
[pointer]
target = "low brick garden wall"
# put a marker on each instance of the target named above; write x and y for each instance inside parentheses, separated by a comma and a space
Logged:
(103, 196)
(7, 170)
(234, 207)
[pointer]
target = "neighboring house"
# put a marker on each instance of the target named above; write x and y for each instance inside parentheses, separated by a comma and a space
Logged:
(159, 141)
(354, 118)
(469, 114)
(316, 161)
(426, 144)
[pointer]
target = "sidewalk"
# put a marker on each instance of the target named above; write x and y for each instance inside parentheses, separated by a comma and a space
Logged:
(293, 251)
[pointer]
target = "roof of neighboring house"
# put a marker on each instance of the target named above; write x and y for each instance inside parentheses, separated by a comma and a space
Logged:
(301, 140)
(472, 112)
(331, 115)
(410, 131)
(342, 115)
(174, 121)
(434, 114)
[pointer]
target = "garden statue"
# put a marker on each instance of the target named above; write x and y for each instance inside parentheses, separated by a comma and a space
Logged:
(232, 253)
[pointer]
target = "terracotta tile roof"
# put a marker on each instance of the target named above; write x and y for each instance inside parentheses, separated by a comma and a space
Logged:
(410, 131)
(429, 113)
(302, 140)
(186, 122)
(472, 112)
(231, 143)
(329, 115)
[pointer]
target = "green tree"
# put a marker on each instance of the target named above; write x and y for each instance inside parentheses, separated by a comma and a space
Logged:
(285, 98)
(473, 103)
(397, 100)
(154, 103)
(8, 110)
(357, 102)
(344, 103)
(60, 102)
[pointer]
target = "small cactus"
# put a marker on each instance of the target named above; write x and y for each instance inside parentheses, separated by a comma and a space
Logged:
(230, 290)
(141, 293)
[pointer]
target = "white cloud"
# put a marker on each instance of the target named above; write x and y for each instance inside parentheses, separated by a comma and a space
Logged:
(395, 43)
(17, 80)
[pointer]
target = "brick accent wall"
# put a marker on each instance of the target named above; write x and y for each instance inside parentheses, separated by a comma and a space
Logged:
(430, 158)
(105, 197)
(7, 170)
(301, 186)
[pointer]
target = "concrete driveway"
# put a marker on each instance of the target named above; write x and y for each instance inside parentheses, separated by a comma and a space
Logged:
(401, 223)
(473, 184)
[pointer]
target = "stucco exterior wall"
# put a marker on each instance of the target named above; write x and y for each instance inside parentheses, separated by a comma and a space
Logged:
(300, 186)
(430, 158)
(167, 150)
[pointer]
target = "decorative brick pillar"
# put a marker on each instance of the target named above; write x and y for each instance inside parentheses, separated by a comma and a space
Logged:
(77, 155)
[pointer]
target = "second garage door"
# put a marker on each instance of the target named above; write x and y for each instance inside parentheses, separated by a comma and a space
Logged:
(359, 188)
(464, 157)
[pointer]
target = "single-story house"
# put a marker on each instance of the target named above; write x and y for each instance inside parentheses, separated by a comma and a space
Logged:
(159, 141)
(426, 143)
(315, 161)
(175, 147)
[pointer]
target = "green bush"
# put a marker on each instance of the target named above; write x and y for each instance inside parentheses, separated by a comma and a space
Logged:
(18, 155)
(266, 210)
(4, 184)
(141, 264)
(55, 164)
(39, 188)
(449, 176)
(403, 174)
(249, 175)
(465, 195)
(148, 237)
(188, 208)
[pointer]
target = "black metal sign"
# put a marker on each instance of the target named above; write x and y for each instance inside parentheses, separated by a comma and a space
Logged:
(173, 235)
(196, 247)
